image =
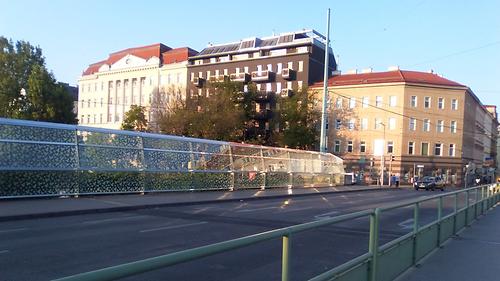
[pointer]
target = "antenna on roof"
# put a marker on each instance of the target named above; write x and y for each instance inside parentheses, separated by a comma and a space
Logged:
(274, 33)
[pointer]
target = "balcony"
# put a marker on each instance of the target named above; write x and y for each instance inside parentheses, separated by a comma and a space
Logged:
(288, 74)
(264, 114)
(286, 93)
(218, 78)
(240, 77)
(198, 82)
(263, 96)
(262, 76)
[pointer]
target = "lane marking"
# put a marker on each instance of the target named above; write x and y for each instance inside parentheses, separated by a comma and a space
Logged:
(111, 219)
(326, 215)
(256, 209)
(287, 210)
(13, 230)
(406, 224)
(173, 227)
(4, 251)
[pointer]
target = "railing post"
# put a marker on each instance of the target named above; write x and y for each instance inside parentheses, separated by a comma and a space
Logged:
(143, 162)
(416, 211)
(483, 201)
(476, 204)
(77, 156)
(440, 216)
(263, 170)
(231, 169)
(455, 211)
(285, 258)
(373, 243)
(467, 208)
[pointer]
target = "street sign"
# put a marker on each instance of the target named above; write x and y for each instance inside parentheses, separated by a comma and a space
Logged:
(420, 166)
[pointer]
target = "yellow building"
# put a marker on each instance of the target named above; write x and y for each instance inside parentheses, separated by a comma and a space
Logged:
(426, 124)
(150, 76)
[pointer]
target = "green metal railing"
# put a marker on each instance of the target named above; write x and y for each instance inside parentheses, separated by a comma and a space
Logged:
(380, 263)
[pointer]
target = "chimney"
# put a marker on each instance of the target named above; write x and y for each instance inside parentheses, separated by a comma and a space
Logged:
(393, 68)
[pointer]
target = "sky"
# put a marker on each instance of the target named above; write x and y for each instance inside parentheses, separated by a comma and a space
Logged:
(459, 39)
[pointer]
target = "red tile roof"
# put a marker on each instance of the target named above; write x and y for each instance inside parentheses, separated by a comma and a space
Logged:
(164, 53)
(388, 77)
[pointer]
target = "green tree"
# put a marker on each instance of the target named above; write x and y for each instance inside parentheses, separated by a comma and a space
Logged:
(299, 119)
(27, 89)
(135, 119)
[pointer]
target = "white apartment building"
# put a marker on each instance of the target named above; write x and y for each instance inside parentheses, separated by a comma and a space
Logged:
(151, 76)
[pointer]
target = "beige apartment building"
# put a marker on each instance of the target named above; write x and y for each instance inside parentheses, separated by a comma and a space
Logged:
(412, 123)
(150, 76)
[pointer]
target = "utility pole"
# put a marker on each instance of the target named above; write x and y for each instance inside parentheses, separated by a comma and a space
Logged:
(322, 144)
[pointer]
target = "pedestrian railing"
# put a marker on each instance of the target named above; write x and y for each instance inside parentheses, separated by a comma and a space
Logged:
(379, 263)
(48, 159)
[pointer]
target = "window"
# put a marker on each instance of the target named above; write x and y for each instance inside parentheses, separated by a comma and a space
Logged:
(349, 146)
(290, 64)
(392, 123)
(245, 69)
(441, 103)
(338, 103)
(392, 101)
(88, 103)
(100, 118)
(427, 102)
(364, 124)
(424, 150)
(82, 120)
(83, 104)
(336, 147)
(438, 147)
(352, 102)
(454, 104)
(378, 101)
(102, 86)
(362, 146)
(413, 101)
(279, 68)
(102, 102)
(451, 151)
(453, 126)
(270, 67)
(366, 102)
(83, 88)
(88, 117)
(377, 123)
(95, 102)
(411, 148)
(299, 84)
(427, 125)
(338, 123)
(390, 147)
(351, 124)
(278, 87)
(440, 126)
(413, 124)
(301, 66)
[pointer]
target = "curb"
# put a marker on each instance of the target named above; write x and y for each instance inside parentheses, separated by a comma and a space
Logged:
(174, 204)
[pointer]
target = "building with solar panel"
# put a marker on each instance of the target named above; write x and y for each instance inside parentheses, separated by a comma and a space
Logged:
(278, 65)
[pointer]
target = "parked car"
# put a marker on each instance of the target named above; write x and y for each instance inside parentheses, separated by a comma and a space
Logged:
(429, 183)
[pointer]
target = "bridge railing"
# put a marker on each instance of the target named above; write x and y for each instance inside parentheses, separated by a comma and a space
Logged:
(47, 159)
(379, 263)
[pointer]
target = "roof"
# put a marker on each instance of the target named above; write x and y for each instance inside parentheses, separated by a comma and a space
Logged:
(164, 53)
(395, 76)
(255, 43)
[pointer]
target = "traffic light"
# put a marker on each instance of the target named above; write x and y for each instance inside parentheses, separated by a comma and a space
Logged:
(393, 158)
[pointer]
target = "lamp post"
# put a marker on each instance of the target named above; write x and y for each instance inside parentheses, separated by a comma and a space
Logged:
(382, 159)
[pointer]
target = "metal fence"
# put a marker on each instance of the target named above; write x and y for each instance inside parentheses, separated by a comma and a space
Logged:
(379, 263)
(47, 159)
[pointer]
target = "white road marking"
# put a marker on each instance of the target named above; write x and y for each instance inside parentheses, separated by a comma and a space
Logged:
(256, 209)
(173, 227)
(12, 230)
(293, 210)
(4, 251)
(406, 224)
(111, 219)
(325, 215)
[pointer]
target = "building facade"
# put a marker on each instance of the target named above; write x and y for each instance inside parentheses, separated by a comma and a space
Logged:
(149, 76)
(278, 65)
(410, 123)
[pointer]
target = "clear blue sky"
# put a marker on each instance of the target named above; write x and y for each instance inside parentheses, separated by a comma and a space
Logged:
(457, 39)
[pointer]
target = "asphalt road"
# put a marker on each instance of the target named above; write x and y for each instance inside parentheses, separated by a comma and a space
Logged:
(44, 249)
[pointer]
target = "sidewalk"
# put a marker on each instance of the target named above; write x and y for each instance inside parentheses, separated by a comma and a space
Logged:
(473, 255)
(16, 209)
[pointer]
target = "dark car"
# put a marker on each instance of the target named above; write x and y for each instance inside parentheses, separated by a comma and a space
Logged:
(428, 183)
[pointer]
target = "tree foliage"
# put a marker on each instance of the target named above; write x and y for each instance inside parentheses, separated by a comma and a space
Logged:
(27, 89)
(135, 119)
(299, 119)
